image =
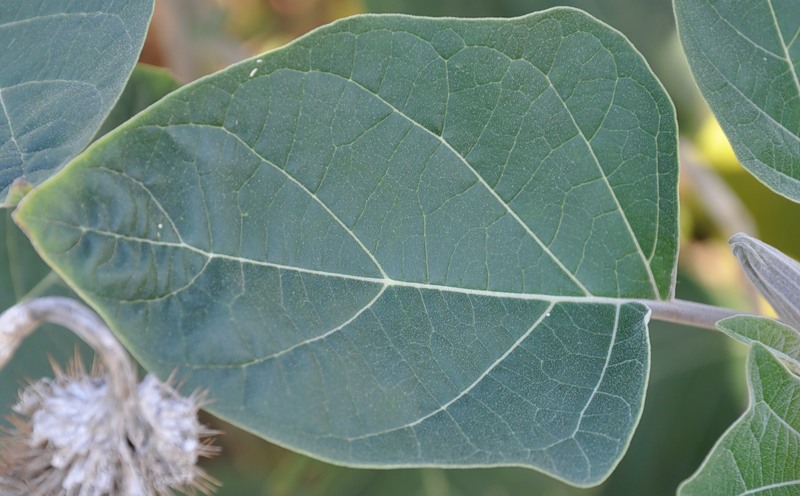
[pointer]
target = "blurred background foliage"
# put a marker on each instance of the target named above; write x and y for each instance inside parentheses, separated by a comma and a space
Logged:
(696, 386)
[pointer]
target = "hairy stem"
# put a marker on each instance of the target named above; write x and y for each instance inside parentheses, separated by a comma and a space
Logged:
(688, 312)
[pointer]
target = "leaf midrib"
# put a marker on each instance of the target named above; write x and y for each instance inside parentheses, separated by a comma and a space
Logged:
(606, 300)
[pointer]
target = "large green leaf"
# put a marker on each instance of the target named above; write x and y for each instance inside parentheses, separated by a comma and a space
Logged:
(394, 242)
(760, 453)
(746, 59)
(64, 65)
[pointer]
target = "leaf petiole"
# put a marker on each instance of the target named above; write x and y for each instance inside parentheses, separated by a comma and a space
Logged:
(688, 312)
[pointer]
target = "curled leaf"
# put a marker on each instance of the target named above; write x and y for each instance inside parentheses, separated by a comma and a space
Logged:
(781, 340)
(773, 273)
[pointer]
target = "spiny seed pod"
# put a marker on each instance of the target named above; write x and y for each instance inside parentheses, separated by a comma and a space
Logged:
(98, 433)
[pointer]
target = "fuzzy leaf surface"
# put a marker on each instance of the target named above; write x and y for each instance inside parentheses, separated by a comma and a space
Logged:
(395, 242)
(64, 66)
(745, 56)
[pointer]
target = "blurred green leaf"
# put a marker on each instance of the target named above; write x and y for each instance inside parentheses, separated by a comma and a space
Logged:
(453, 8)
(24, 275)
(646, 23)
(409, 176)
(64, 65)
(146, 86)
(769, 209)
(745, 59)
(760, 453)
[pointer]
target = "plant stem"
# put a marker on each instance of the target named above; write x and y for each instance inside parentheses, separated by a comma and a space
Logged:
(22, 319)
(688, 312)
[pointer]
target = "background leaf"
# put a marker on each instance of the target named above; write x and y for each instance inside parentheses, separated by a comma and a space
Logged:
(746, 60)
(24, 275)
(647, 24)
(64, 65)
(759, 453)
(395, 242)
(146, 86)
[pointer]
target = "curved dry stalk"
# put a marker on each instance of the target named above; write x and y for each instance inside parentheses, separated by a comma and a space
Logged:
(99, 435)
(19, 321)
